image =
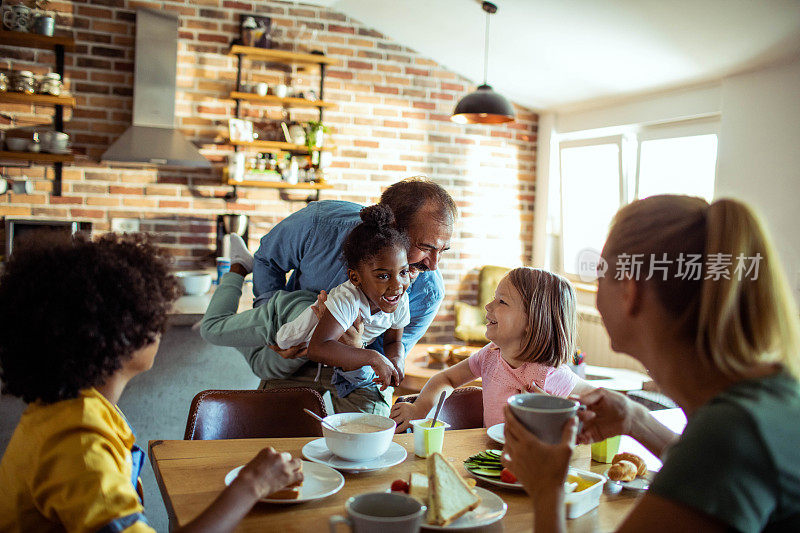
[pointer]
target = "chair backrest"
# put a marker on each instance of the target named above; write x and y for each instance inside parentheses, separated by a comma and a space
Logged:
(249, 414)
(463, 409)
(488, 280)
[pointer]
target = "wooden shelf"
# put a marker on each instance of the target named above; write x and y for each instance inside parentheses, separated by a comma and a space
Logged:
(36, 99)
(280, 56)
(277, 100)
(37, 156)
(282, 185)
(34, 40)
(276, 145)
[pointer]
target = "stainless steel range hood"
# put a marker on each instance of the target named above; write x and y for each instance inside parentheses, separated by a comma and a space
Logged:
(153, 139)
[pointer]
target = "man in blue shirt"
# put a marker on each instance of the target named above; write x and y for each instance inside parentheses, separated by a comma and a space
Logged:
(309, 242)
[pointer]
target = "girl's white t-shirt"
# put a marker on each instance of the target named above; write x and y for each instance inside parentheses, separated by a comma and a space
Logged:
(345, 302)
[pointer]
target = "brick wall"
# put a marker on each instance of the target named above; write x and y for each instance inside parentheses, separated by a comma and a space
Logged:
(391, 121)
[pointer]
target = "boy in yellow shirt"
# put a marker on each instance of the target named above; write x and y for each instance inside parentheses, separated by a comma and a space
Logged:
(78, 320)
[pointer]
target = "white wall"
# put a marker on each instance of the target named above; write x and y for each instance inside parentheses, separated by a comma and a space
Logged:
(759, 153)
(759, 144)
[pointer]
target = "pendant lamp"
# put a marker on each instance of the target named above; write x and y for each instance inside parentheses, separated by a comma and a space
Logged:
(484, 106)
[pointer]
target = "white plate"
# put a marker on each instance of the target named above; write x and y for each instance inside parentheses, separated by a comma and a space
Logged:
(317, 451)
(497, 433)
(319, 481)
(639, 484)
(496, 481)
(491, 509)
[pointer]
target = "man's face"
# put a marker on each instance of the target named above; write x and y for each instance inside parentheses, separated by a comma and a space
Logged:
(429, 238)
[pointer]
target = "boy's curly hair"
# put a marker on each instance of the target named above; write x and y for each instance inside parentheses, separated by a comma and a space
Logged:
(73, 310)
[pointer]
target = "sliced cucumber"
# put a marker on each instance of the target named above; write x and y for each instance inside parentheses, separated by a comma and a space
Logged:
(486, 463)
(484, 471)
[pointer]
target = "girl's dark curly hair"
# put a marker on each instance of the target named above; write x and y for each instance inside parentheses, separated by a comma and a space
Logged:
(72, 311)
(375, 233)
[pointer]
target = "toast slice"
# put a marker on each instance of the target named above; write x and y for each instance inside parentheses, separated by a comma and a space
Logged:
(449, 496)
(418, 487)
(292, 492)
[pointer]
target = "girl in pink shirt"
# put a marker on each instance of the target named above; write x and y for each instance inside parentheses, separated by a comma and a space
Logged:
(532, 324)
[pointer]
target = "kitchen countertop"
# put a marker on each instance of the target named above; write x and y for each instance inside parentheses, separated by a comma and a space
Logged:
(188, 310)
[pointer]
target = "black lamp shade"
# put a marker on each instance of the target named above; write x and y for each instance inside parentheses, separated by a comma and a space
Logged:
(484, 106)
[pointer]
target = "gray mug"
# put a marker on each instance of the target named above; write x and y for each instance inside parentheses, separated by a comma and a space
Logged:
(44, 25)
(543, 415)
(387, 512)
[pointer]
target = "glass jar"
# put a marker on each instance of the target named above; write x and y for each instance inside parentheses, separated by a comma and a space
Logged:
(51, 84)
(3, 82)
(23, 82)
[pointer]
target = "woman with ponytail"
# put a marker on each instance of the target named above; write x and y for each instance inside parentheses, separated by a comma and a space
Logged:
(374, 296)
(694, 292)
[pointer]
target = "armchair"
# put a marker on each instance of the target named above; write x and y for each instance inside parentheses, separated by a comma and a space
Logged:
(471, 319)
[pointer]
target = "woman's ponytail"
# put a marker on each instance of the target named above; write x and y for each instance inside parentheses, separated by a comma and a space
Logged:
(747, 315)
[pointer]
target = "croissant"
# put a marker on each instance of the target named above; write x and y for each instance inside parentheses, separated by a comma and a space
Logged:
(641, 466)
(622, 471)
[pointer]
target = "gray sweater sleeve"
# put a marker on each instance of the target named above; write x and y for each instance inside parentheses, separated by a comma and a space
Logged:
(253, 331)
(223, 326)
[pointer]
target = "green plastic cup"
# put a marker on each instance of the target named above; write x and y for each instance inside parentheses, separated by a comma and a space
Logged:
(427, 439)
(605, 450)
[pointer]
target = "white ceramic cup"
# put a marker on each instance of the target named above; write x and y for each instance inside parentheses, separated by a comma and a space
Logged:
(543, 415)
(281, 90)
(17, 144)
(386, 512)
(262, 89)
(54, 141)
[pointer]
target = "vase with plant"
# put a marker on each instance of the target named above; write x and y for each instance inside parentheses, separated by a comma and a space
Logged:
(315, 131)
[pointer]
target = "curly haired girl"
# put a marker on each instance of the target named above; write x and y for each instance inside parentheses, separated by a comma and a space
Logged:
(375, 293)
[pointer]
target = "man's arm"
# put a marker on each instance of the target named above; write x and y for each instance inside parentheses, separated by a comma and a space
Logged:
(423, 302)
(281, 251)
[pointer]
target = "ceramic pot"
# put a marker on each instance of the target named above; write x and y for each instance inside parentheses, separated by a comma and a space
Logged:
(17, 18)
(44, 25)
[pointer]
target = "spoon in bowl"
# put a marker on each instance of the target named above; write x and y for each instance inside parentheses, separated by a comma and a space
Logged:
(321, 420)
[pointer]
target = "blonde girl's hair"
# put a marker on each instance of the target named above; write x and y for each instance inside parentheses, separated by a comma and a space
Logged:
(746, 319)
(550, 302)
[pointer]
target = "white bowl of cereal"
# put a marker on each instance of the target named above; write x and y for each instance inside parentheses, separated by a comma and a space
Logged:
(360, 436)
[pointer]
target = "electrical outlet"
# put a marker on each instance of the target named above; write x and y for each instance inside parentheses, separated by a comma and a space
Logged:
(125, 225)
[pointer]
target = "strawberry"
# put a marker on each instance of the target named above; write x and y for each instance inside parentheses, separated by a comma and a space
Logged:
(507, 477)
(398, 485)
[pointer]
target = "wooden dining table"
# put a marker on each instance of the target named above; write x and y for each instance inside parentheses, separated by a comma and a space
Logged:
(191, 474)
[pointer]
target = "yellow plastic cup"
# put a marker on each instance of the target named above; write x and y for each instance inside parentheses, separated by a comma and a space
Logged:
(605, 450)
(427, 439)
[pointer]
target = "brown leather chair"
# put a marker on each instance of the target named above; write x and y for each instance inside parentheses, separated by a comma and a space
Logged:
(249, 414)
(463, 409)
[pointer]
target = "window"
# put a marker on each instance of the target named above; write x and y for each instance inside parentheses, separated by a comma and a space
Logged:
(591, 178)
(681, 165)
(601, 174)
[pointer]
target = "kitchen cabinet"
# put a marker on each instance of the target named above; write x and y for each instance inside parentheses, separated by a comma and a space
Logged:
(302, 61)
(59, 45)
